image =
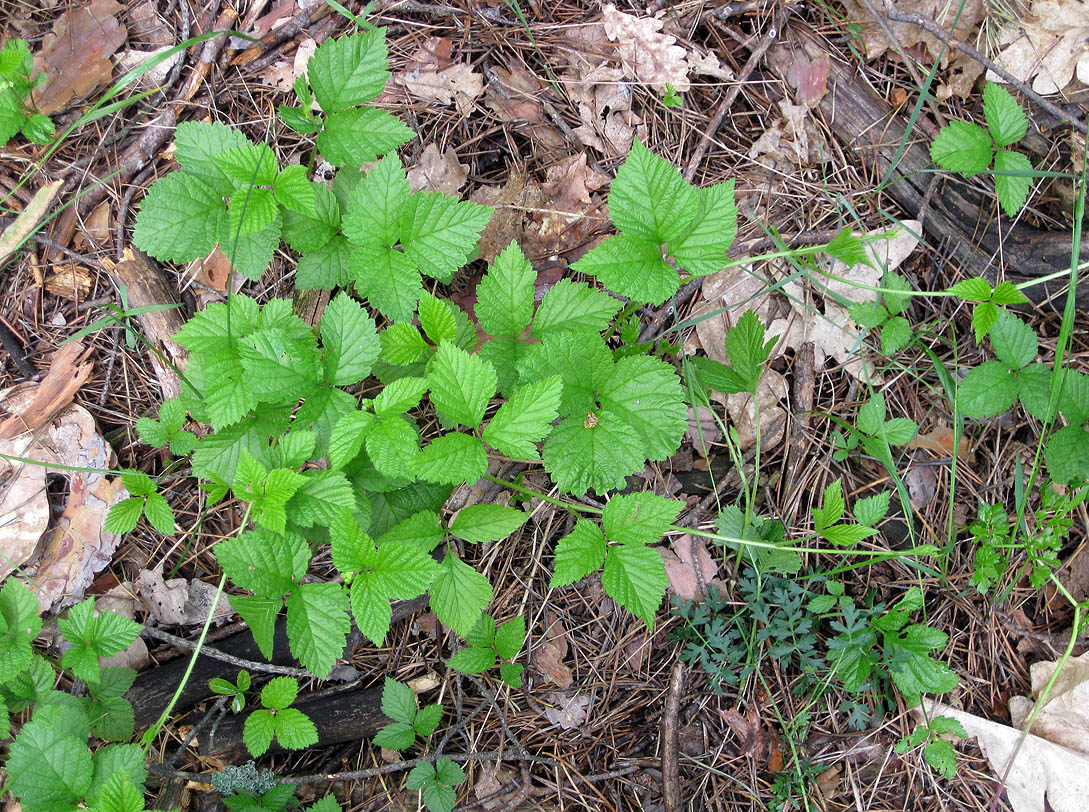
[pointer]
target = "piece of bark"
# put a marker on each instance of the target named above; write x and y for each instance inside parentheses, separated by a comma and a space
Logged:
(148, 285)
(977, 233)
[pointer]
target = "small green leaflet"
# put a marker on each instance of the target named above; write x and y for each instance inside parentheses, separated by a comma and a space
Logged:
(461, 385)
(1006, 120)
(962, 147)
(579, 553)
(92, 636)
(480, 524)
(504, 297)
(525, 419)
(635, 577)
(459, 594)
(640, 518)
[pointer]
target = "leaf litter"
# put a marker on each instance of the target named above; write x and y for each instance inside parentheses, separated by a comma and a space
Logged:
(75, 55)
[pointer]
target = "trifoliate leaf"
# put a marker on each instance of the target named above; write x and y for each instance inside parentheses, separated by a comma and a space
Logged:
(976, 289)
(355, 137)
(525, 419)
(596, 452)
(580, 358)
(631, 266)
(264, 562)
(646, 393)
(439, 232)
(350, 340)
(196, 144)
(398, 701)
(702, 250)
(962, 147)
(307, 231)
(1005, 118)
(280, 366)
(649, 200)
(124, 515)
(510, 637)
(579, 553)
(294, 730)
(575, 306)
(402, 344)
(389, 279)
(479, 524)
(461, 385)
(1012, 189)
(452, 459)
(427, 719)
(472, 660)
(317, 625)
(634, 576)
(504, 297)
(376, 203)
(258, 732)
(179, 198)
(349, 71)
(459, 594)
(248, 165)
(639, 518)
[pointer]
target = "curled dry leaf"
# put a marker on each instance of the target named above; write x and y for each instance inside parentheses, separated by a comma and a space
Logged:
(568, 711)
(1043, 776)
(179, 601)
(282, 75)
(213, 272)
(940, 440)
(1049, 46)
(438, 171)
(922, 485)
(75, 55)
(571, 214)
(648, 55)
(686, 554)
(548, 658)
(433, 76)
(604, 104)
(513, 95)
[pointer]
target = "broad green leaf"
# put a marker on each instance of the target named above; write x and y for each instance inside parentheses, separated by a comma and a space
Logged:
(895, 335)
(248, 212)
(306, 232)
(525, 419)
(159, 513)
(702, 249)
(258, 732)
(395, 736)
(317, 625)
(452, 459)
(400, 396)
(505, 355)
(116, 762)
(263, 562)
(634, 576)
(596, 452)
(1012, 189)
(174, 199)
(482, 635)
(871, 416)
(579, 553)
(575, 306)
(479, 524)
(347, 437)
(940, 755)
(371, 610)
(639, 518)
(279, 693)
(1074, 401)
(504, 297)
(872, 509)
(1006, 294)
(962, 147)
(1067, 455)
(439, 232)
(846, 535)
(510, 637)
(646, 393)
(848, 248)
(260, 615)
(832, 506)
(248, 165)
(374, 209)
(649, 200)
(899, 430)
(747, 350)
(1034, 389)
(472, 660)
(358, 136)
(511, 673)
(1014, 342)
(461, 385)
(47, 770)
(398, 701)
(197, 143)
(350, 340)
(631, 266)
(321, 498)
(459, 594)
(402, 344)
(984, 318)
(1005, 118)
(437, 319)
(580, 358)
(251, 253)
(294, 730)
(295, 192)
(393, 446)
(402, 570)
(427, 719)
(389, 279)
(349, 71)
(326, 267)
(421, 529)
(124, 515)
(280, 367)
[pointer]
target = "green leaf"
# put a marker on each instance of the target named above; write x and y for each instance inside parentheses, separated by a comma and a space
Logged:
(596, 452)
(398, 701)
(402, 344)
(395, 736)
(634, 576)
(461, 385)
(1006, 294)
(525, 419)
(702, 250)
(504, 297)
(251, 253)
(116, 762)
(482, 635)
(899, 430)
(511, 673)
(984, 318)
(452, 459)
(1034, 389)
(317, 625)
(459, 594)
(940, 755)
(258, 732)
(632, 267)
(294, 730)
(137, 484)
(1005, 118)
(1014, 342)
(895, 335)
(94, 636)
(472, 660)
(279, 693)
(646, 393)
(389, 279)
(400, 396)
(376, 203)
(427, 719)
(1067, 454)
(248, 165)
(510, 637)
(349, 71)
(639, 518)
(912, 668)
(402, 570)
(845, 535)
(580, 358)
(1074, 400)
(479, 524)
(179, 198)
(832, 507)
(355, 137)
(574, 306)
(421, 529)
(197, 144)
(309, 231)
(280, 367)
(264, 562)
(46, 770)
(848, 249)
(295, 192)
(347, 437)
(447, 772)
(124, 515)
(248, 213)
(962, 147)
(326, 267)
(872, 509)
(439, 232)
(649, 200)
(747, 350)
(350, 340)
(1012, 190)
(371, 610)
(393, 446)
(260, 615)
(579, 553)
(159, 513)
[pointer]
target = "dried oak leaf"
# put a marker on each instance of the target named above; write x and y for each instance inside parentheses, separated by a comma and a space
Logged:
(648, 55)
(1050, 46)
(179, 601)
(75, 55)
(438, 171)
(431, 75)
(569, 710)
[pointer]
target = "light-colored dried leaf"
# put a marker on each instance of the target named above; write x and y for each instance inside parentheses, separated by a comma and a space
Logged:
(1049, 47)
(708, 65)
(548, 658)
(908, 35)
(648, 55)
(458, 84)
(809, 77)
(765, 418)
(922, 485)
(95, 232)
(155, 76)
(604, 104)
(438, 171)
(282, 75)
(703, 430)
(568, 711)
(179, 601)
(75, 55)
(940, 440)
(681, 567)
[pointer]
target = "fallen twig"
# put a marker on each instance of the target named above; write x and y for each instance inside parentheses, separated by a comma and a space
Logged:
(215, 654)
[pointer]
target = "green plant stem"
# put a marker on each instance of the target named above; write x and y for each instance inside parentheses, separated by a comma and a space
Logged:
(538, 495)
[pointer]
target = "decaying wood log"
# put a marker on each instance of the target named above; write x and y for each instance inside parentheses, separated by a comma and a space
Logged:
(983, 239)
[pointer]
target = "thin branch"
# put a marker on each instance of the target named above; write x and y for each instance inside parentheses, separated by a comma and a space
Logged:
(936, 30)
(216, 654)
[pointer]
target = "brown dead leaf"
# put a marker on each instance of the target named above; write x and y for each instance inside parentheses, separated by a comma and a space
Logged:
(909, 35)
(179, 602)
(455, 83)
(680, 566)
(548, 658)
(571, 214)
(809, 78)
(940, 440)
(648, 55)
(568, 711)
(96, 228)
(771, 427)
(75, 55)
(922, 485)
(604, 103)
(751, 734)
(703, 430)
(1049, 46)
(282, 75)
(514, 204)
(492, 780)
(146, 26)
(438, 171)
